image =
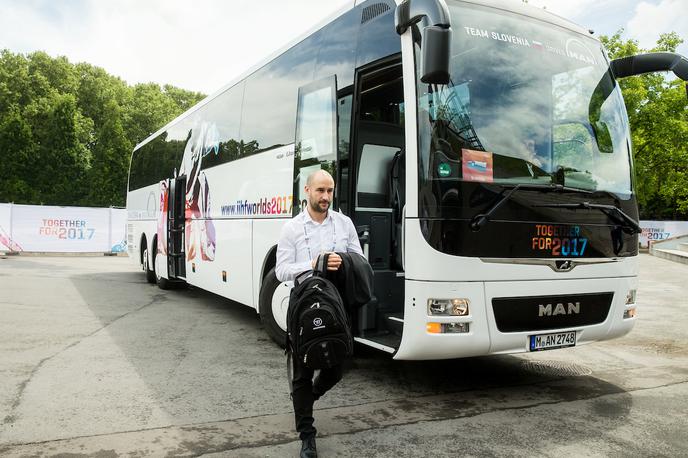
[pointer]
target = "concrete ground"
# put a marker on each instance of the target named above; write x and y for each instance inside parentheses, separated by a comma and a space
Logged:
(96, 362)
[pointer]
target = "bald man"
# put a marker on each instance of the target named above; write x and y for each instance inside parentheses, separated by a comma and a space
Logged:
(313, 232)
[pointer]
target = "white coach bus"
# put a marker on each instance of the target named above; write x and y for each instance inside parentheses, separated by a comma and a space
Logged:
(481, 148)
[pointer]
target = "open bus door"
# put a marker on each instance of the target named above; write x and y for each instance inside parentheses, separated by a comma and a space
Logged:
(176, 220)
(377, 196)
(316, 134)
(365, 183)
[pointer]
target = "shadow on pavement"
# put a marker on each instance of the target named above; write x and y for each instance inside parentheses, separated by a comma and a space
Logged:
(203, 358)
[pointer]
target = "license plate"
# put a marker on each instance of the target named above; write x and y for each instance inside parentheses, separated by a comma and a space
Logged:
(550, 341)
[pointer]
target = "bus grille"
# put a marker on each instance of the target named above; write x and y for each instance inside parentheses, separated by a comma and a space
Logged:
(537, 313)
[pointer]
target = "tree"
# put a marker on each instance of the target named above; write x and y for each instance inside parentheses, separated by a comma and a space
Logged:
(108, 174)
(67, 130)
(658, 114)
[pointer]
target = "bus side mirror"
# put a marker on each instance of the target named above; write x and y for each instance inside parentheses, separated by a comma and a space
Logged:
(436, 36)
(434, 64)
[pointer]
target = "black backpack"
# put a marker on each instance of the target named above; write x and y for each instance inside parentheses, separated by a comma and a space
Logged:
(318, 328)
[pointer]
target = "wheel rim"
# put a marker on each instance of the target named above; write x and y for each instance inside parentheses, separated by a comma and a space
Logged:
(157, 268)
(145, 260)
(280, 304)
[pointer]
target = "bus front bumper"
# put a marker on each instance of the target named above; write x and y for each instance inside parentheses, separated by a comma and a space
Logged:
(595, 309)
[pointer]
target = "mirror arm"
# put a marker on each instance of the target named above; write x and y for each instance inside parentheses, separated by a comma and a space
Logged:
(436, 36)
(411, 11)
(651, 62)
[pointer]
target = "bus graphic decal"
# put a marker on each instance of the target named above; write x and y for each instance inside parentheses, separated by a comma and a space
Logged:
(200, 230)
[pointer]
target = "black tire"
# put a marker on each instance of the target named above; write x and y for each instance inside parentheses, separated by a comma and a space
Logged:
(150, 273)
(163, 283)
(267, 290)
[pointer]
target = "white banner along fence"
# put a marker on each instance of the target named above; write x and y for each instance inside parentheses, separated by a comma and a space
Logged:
(655, 231)
(46, 228)
(49, 229)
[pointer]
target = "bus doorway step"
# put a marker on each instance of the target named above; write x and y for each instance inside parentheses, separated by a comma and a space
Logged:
(394, 322)
(386, 342)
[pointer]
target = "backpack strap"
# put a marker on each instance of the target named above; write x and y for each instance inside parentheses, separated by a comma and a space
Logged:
(302, 276)
(321, 264)
(320, 269)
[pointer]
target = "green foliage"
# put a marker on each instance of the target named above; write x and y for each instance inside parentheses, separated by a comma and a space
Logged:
(67, 130)
(658, 113)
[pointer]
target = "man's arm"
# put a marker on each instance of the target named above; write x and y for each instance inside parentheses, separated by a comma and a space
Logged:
(287, 268)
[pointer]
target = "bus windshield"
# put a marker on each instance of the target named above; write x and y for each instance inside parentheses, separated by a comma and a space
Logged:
(525, 105)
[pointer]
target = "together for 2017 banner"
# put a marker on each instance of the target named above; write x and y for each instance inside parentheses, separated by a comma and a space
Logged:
(81, 229)
(61, 229)
(656, 231)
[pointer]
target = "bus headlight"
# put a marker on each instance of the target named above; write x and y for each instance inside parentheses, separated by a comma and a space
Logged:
(453, 307)
(630, 297)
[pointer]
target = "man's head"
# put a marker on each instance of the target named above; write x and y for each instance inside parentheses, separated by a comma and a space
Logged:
(319, 191)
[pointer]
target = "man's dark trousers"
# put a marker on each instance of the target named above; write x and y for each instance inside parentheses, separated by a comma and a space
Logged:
(305, 391)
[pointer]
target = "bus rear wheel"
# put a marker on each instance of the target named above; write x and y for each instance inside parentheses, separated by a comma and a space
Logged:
(150, 273)
(272, 306)
(163, 283)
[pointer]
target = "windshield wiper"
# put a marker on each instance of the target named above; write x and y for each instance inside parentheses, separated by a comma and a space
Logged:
(479, 220)
(629, 224)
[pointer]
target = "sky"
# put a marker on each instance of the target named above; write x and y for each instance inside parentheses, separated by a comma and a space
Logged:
(202, 45)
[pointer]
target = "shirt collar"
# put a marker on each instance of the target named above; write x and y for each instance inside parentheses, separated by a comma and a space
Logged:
(308, 219)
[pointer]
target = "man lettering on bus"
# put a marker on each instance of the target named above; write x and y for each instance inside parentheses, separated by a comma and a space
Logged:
(313, 232)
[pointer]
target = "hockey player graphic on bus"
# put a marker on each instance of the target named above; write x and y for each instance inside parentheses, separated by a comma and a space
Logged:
(199, 230)
(162, 218)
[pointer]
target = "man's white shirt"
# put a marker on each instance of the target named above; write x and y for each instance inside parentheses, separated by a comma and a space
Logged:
(302, 239)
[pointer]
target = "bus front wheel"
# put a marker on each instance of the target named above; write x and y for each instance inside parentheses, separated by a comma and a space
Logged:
(272, 304)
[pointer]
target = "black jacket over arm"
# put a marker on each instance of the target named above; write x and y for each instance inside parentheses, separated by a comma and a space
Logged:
(354, 280)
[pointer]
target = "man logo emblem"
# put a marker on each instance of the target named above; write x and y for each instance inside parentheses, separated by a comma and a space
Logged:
(572, 308)
(564, 266)
(317, 322)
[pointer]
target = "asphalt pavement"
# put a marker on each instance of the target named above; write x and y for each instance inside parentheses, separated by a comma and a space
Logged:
(94, 361)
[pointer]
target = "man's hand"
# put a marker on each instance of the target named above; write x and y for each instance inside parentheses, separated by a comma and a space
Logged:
(333, 261)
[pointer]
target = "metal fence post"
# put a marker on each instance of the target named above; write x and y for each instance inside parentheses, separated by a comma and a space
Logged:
(11, 224)
(110, 230)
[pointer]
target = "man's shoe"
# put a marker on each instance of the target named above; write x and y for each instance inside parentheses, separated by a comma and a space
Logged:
(308, 448)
